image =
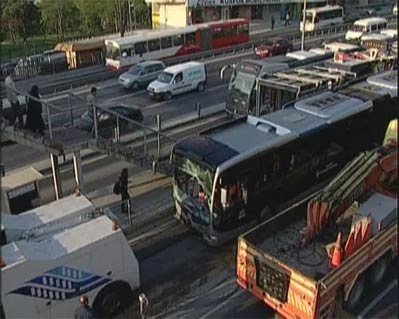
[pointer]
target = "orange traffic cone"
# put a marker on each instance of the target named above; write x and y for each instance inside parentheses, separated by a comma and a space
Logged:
(337, 255)
(358, 236)
(350, 243)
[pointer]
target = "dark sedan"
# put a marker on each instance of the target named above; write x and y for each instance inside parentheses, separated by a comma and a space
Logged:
(106, 121)
(274, 46)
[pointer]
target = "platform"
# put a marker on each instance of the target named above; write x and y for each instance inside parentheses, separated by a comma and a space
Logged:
(65, 139)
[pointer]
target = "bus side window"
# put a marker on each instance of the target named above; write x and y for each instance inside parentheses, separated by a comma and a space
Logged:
(140, 47)
(153, 45)
(190, 38)
(166, 42)
(374, 27)
(178, 40)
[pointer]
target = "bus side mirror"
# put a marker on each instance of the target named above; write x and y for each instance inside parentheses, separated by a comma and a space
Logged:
(223, 197)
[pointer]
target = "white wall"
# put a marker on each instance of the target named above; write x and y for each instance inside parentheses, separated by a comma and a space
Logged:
(172, 15)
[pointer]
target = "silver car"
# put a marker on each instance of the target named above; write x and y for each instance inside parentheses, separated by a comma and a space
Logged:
(141, 74)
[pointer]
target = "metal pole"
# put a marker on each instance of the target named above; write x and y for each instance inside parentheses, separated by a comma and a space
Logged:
(78, 171)
(117, 130)
(70, 108)
(49, 121)
(56, 176)
(159, 135)
(303, 25)
(95, 121)
(128, 211)
(145, 141)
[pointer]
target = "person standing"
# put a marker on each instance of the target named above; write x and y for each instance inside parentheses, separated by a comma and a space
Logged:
(84, 311)
(287, 18)
(34, 120)
(13, 99)
(124, 190)
(273, 22)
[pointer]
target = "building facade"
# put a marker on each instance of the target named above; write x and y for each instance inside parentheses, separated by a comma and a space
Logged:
(178, 13)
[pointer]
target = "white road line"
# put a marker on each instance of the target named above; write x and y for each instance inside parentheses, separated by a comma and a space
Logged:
(377, 299)
(222, 305)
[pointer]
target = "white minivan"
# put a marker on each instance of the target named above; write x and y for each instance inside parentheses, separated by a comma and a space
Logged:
(178, 79)
(365, 26)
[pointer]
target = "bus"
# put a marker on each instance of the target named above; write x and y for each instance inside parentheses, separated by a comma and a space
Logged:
(241, 96)
(231, 177)
(321, 17)
(365, 26)
(156, 45)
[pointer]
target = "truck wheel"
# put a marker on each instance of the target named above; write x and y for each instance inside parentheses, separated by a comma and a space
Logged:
(379, 270)
(167, 96)
(135, 86)
(200, 87)
(112, 299)
(356, 293)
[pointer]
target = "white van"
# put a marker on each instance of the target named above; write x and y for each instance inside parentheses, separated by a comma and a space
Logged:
(365, 26)
(178, 79)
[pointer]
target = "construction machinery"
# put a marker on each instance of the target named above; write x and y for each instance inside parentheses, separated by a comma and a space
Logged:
(316, 258)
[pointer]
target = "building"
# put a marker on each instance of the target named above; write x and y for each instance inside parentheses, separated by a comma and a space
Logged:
(179, 13)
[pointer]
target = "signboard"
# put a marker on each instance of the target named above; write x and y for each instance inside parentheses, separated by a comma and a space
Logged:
(212, 3)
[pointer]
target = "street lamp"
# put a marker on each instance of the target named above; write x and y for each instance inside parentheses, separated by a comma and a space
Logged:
(303, 25)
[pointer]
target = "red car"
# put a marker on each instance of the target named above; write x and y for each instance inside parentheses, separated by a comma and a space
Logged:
(274, 46)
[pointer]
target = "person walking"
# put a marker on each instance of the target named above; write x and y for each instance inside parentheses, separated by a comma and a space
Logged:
(273, 22)
(91, 99)
(34, 120)
(287, 18)
(84, 311)
(124, 191)
(13, 99)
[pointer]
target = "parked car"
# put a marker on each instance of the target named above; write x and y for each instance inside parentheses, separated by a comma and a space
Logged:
(107, 121)
(141, 74)
(274, 46)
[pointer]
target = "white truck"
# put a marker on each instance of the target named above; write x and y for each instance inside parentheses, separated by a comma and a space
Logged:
(44, 276)
(178, 79)
(55, 215)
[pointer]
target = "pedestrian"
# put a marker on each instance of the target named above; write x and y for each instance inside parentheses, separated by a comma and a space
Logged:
(287, 18)
(34, 120)
(84, 311)
(124, 190)
(273, 22)
(91, 99)
(13, 99)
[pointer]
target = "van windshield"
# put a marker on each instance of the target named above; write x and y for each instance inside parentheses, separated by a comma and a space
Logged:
(165, 77)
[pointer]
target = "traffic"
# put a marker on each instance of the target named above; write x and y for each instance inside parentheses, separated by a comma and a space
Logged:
(266, 178)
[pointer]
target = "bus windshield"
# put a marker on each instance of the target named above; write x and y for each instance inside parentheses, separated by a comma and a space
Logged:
(192, 184)
(112, 52)
(358, 28)
(243, 83)
(309, 17)
(165, 77)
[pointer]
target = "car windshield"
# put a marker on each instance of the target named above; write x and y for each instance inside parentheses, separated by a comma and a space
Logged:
(135, 70)
(165, 77)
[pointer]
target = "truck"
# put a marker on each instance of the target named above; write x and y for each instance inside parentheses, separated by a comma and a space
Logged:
(51, 265)
(316, 258)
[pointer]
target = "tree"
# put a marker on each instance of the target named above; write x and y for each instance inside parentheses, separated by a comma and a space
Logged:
(89, 11)
(21, 17)
(59, 16)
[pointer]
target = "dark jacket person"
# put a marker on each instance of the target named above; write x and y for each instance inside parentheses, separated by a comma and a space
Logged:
(34, 120)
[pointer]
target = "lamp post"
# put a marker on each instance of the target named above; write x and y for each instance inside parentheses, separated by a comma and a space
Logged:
(303, 25)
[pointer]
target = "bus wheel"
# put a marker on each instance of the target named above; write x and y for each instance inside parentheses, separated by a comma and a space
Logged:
(200, 87)
(379, 270)
(135, 86)
(167, 95)
(356, 293)
(112, 299)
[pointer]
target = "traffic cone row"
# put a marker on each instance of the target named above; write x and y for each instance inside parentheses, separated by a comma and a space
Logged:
(338, 253)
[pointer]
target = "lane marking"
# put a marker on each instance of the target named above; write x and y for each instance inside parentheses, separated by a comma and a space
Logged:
(377, 299)
(223, 304)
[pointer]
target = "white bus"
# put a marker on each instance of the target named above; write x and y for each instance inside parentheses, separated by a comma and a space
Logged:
(366, 26)
(317, 18)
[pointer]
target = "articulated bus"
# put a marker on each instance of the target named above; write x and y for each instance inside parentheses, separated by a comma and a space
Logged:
(231, 177)
(156, 45)
(320, 17)
(241, 95)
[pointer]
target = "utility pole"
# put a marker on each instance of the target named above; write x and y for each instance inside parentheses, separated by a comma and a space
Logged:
(303, 25)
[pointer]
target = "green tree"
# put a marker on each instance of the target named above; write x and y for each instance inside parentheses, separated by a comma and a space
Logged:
(59, 16)
(89, 12)
(19, 17)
